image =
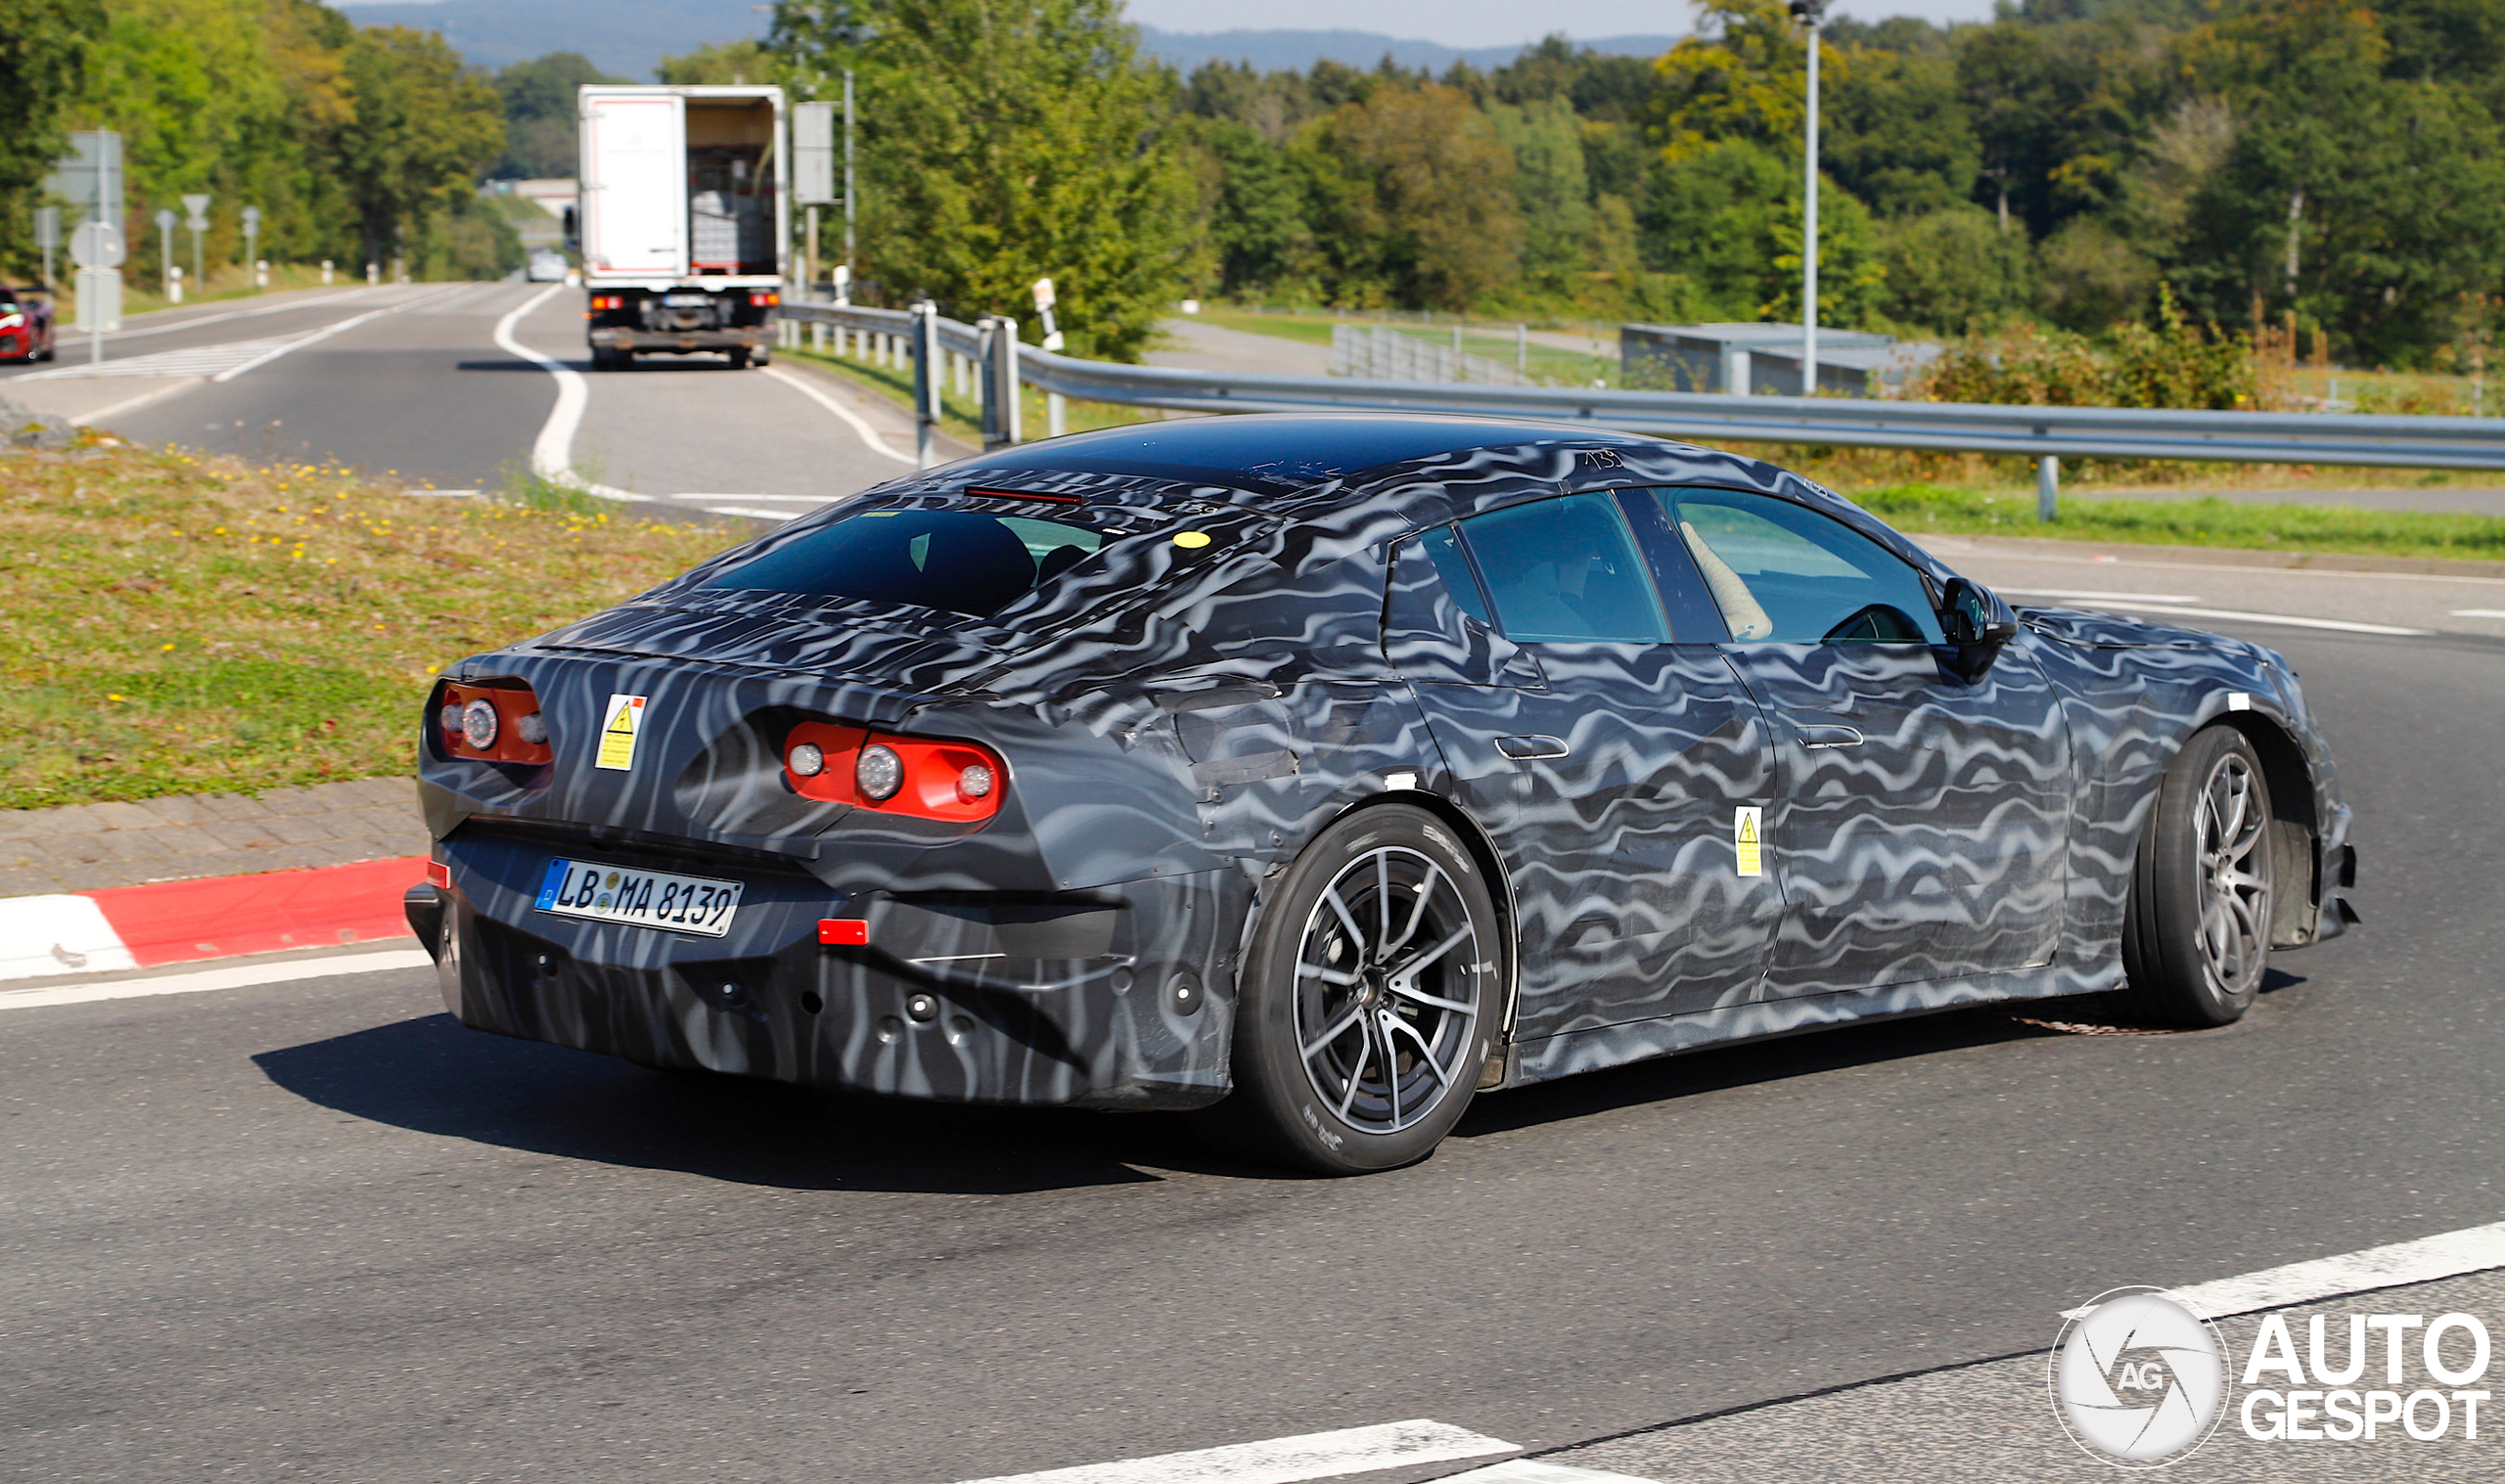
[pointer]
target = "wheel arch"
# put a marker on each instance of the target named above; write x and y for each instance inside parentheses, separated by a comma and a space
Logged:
(2296, 825)
(1482, 846)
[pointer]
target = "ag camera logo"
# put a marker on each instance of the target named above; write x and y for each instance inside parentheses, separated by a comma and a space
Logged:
(2137, 1379)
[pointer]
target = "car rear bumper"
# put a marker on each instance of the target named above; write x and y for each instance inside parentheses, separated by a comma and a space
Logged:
(1118, 997)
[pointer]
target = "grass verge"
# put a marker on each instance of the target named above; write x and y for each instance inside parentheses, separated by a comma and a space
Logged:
(1918, 508)
(174, 624)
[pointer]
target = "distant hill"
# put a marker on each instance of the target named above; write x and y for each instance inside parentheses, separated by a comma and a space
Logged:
(625, 38)
(628, 38)
(1296, 51)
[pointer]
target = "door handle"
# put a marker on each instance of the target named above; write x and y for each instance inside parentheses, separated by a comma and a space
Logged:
(1525, 748)
(1824, 735)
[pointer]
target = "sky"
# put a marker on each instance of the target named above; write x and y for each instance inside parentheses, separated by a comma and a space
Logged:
(1491, 23)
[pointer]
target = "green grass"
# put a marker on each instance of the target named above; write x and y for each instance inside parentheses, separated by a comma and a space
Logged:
(172, 624)
(2322, 529)
(962, 418)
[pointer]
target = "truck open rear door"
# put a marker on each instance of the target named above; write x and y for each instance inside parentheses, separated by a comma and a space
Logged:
(634, 187)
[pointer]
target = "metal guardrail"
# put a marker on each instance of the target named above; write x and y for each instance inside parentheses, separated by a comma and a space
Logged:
(2038, 432)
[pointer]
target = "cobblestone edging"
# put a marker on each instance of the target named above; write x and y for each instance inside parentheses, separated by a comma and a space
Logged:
(85, 848)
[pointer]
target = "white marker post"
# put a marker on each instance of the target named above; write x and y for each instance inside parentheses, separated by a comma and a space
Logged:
(96, 247)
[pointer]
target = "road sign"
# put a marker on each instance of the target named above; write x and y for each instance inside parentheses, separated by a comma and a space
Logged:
(95, 244)
(813, 154)
(166, 220)
(251, 220)
(198, 207)
(98, 301)
(89, 176)
(48, 228)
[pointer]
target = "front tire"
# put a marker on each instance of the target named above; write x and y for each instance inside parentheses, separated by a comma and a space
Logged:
(1368, 999)
(2196, 937)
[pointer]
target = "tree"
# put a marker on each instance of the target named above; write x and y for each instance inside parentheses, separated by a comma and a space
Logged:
(1728, 220)
(1896, 134)
(1551, 191)
(424, 129)
(542, 118)
(43, 56)
(1744, 76)
(1005, 140)
(1421, 177)
(1256, 216)
(722, 64)
(1953, 270)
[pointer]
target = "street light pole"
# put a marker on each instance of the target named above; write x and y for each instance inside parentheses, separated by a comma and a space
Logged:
(848, 174)
(1811, 14)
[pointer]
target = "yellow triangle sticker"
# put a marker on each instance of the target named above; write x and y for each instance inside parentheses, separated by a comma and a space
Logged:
(1748, 841)
(617, 739)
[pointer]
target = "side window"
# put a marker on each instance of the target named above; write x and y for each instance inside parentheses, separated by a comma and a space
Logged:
(1784, 574)
(1566, 570)
(1443, 548)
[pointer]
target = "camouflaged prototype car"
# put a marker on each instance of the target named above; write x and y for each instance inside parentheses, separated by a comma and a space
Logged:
(1319, 771)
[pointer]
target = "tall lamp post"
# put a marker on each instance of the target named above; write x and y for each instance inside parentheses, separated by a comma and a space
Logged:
(1811, 14)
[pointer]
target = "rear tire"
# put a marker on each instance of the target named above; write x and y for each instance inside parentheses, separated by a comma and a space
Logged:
(1368, 1002)
(2196, 934)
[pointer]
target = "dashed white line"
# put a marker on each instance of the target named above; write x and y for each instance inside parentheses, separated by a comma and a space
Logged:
(2479, 612)
(197, 981)
(2237, 615)
(1285, 1460)
(2446, 1254)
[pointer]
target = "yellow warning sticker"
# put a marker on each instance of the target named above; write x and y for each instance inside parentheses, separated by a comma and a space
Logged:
(617, 735)
(1748, 839)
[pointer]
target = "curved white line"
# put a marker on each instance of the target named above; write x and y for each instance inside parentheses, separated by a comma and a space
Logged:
(860, 424)
(552, 455)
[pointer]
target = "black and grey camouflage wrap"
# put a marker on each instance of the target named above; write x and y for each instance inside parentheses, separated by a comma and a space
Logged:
(1179, 722)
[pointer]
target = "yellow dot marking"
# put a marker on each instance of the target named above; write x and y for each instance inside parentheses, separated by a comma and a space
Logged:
(1193, 539)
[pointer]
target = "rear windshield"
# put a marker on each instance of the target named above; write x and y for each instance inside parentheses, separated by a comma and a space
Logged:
(963, 562)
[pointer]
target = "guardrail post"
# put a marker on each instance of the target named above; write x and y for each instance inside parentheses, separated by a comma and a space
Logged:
(1000, 382)
(2048, 488)
(925, 383)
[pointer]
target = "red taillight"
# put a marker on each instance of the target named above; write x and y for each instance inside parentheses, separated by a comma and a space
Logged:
(959, 781)
(608, 301)
(519, 734)
(764, 300)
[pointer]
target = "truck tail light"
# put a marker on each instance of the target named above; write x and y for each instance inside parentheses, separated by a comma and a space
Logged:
(764, 300)
(600, 301)
(491, 721)
(960, 782)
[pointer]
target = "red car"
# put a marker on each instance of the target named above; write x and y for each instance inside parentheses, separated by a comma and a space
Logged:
(26, 325)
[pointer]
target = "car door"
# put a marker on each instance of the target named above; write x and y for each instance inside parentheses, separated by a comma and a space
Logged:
(1604, 755)
(1921, 819)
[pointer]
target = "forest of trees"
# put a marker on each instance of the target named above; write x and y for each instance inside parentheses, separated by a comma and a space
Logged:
(2057, 166)
(358, 145)
(2072, 166)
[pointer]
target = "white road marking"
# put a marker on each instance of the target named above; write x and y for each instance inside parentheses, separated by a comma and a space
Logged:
(552, 455)
(860, 424)
(197, 361)
(133, 404)
(1537, 1472)
(238, 314)
(751, 512)
(2479, 612)
(2246, 570)
(1284, 1460)
(2068, 592)
(327, 332)
(2341, 625)
(235, 976)
(2446, 1254)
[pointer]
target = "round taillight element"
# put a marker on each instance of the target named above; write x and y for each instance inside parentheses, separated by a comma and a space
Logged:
(975, 781)
(450, 717)
(807, 760)
(479, 723)
(533, 727)
(879, 774)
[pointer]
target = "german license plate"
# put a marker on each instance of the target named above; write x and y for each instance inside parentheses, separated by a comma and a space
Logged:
(639, 898)
(686, 300)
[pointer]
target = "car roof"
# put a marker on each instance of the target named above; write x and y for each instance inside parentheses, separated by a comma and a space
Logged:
(1283, 450)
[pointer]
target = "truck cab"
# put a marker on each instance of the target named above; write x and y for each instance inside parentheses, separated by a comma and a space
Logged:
(685, 221)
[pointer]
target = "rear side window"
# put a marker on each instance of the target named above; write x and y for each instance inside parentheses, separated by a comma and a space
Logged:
(966, 562)
(1566, 570)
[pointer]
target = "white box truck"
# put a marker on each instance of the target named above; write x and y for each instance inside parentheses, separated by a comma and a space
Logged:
(685, 220)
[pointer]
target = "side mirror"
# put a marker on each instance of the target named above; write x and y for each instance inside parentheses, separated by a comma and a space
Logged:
(1977, 625)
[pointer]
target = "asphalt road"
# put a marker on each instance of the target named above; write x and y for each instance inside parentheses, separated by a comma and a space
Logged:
(317, 1231)
(411, 382)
